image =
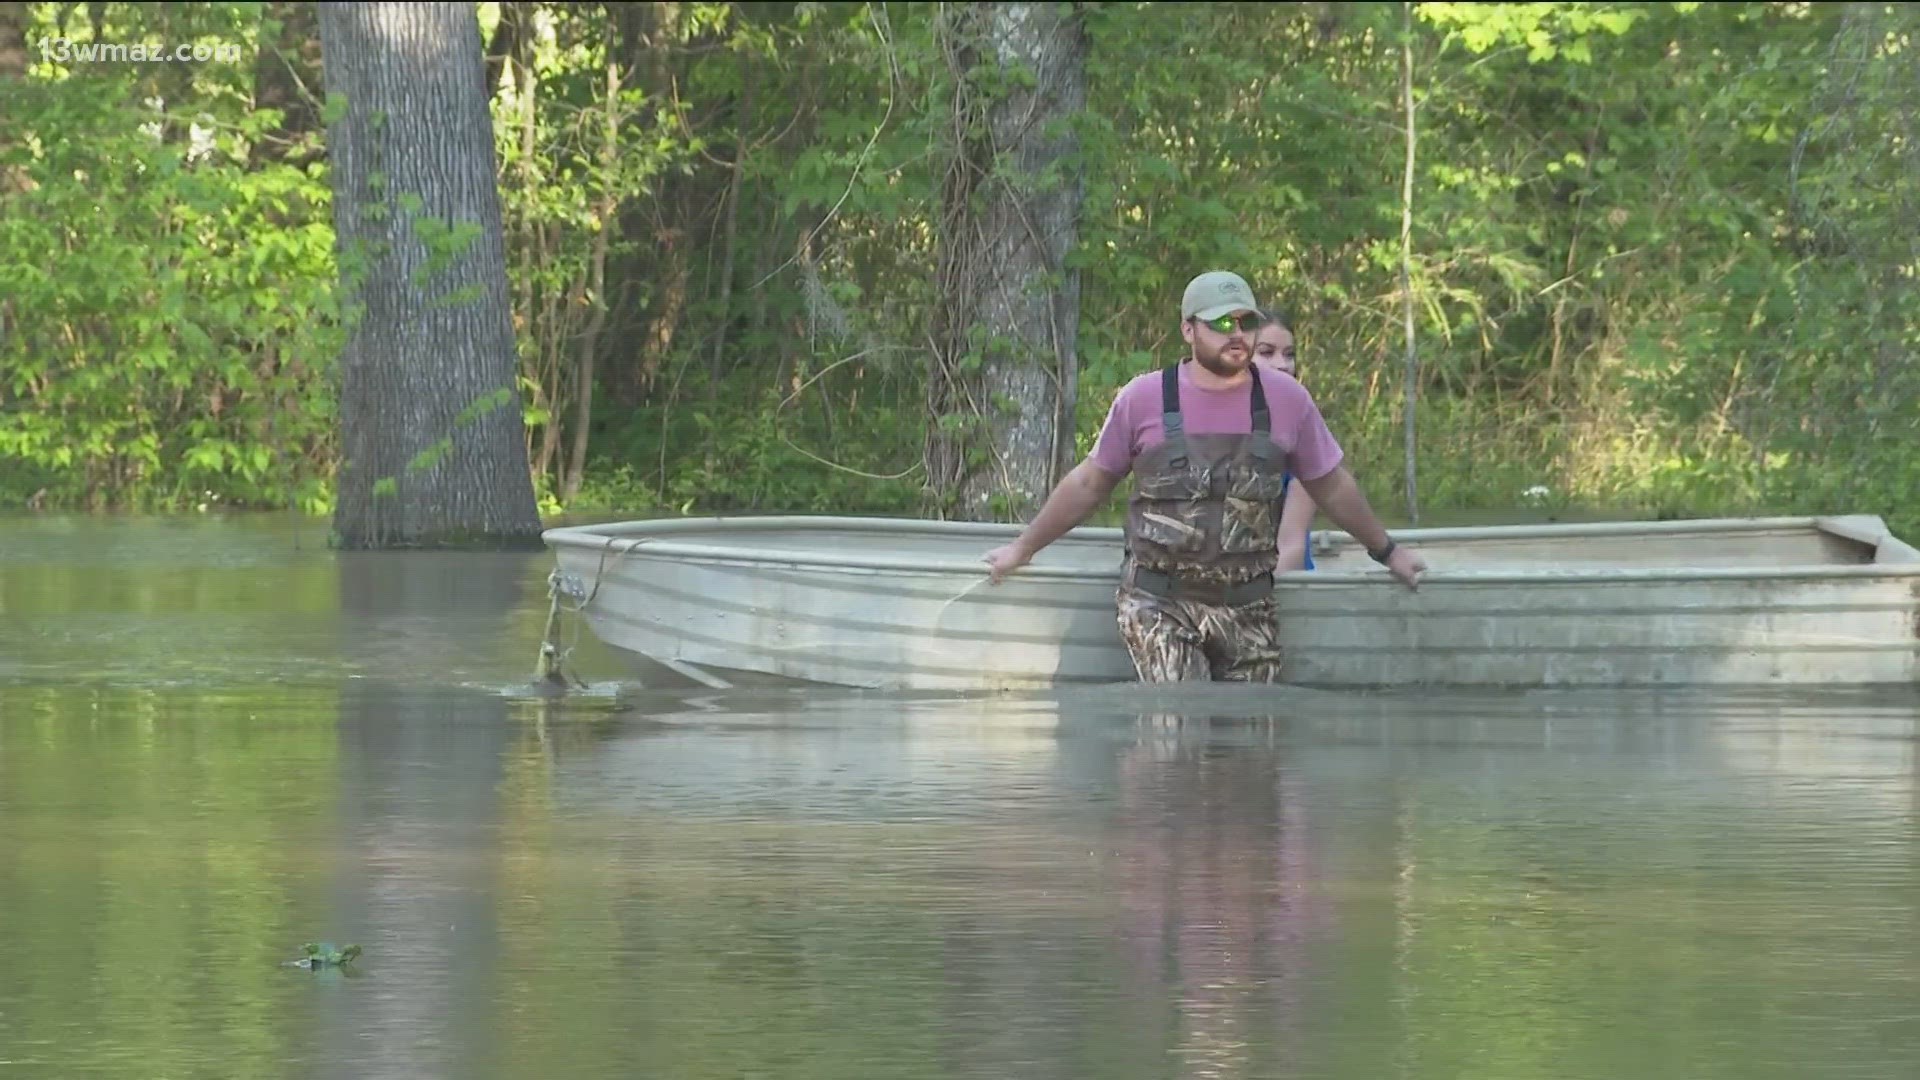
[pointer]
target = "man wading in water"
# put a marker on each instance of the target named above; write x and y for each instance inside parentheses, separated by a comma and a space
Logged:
(1210, 441)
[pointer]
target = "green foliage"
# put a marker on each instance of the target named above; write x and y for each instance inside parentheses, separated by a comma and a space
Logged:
(431, 455)
(445, 241)
(1545, 30)
(563, 187)
(167, 326)
(1663, 253)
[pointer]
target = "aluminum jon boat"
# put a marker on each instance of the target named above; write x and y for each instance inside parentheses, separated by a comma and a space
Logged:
(897, 604)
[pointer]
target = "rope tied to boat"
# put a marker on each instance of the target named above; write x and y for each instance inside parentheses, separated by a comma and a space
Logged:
(551, 665)
(938, 615)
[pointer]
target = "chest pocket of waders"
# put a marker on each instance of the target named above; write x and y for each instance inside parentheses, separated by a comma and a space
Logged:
(1250, 515)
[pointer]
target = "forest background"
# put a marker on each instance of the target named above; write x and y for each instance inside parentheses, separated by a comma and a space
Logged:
(1646, 260)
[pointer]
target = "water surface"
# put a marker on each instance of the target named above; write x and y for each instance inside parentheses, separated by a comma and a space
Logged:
(219, 740)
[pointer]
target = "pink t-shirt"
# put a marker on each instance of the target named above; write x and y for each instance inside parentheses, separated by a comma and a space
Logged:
(1133, 424)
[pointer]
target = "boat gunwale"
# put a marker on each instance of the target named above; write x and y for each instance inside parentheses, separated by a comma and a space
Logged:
(645, 536)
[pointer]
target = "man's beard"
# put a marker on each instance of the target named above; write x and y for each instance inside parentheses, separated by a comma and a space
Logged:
(1216, 363)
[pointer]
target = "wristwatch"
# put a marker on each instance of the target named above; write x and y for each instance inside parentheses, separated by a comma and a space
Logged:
(1384, 553)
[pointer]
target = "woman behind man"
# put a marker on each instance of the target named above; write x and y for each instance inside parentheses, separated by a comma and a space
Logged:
(1273, 348)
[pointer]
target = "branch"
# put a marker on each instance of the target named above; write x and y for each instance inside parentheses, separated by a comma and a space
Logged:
(865, 152)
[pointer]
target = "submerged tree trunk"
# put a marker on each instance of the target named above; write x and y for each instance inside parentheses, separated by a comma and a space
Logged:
(1008, 309)
(432, 436)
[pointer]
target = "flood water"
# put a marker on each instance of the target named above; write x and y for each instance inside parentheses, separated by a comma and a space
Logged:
(220, 740)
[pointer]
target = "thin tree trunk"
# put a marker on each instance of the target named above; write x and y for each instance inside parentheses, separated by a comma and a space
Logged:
(1406, 258)
(670, 301)
(731, 239)
(589, 350)
(548, 373)
(512, 39)
(607, 212)
(434, 444)
(729, 242)
(516, 37)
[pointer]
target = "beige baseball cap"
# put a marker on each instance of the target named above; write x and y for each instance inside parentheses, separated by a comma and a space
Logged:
(1216, 293)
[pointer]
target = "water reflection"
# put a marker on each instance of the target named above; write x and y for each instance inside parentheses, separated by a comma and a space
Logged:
(1218, 877)
(418, 829)
(1117, 882)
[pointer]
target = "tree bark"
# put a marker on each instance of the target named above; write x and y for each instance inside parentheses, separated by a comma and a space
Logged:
(13, 41)
(432, 435)
(1005, 328)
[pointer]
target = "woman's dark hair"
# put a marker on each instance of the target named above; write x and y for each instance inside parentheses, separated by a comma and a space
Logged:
(1276, 317)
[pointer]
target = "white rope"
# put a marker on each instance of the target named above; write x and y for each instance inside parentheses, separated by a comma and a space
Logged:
(984, 578)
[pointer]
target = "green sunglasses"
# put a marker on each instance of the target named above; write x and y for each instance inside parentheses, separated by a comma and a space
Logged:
(1225, 323)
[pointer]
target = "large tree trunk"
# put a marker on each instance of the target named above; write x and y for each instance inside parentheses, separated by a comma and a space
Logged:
(430, 413)
(1006, 369)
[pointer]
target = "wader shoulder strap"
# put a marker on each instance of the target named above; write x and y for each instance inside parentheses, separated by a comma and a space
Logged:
(1170, 416)
(1262, 420)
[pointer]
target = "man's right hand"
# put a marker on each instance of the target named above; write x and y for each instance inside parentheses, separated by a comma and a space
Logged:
(1073, 499)
(1407, 565)
(1005, 559)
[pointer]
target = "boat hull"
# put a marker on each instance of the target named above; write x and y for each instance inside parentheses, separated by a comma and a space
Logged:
(889, 604)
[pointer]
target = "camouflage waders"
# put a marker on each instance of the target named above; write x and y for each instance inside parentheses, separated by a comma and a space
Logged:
(1203, 524)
